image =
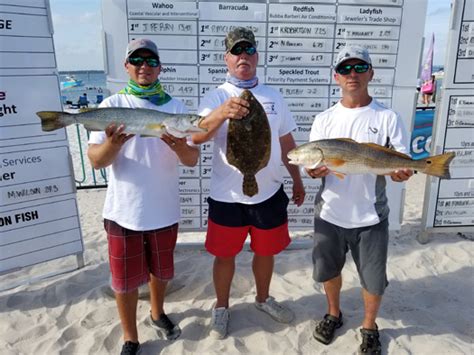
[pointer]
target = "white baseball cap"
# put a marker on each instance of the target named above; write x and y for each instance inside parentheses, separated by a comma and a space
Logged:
(353, 52)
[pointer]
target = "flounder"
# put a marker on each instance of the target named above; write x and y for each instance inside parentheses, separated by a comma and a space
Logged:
(249, 143)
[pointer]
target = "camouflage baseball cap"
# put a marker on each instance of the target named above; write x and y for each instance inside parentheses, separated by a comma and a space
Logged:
(238, 35)
(353, 52)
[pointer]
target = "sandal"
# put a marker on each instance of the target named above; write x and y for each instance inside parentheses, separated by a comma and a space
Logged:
(370, 342)
(325, 329)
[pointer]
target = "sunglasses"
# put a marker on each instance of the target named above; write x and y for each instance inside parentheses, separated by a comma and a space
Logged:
(237, 50)
(358, 68)
(138, 61)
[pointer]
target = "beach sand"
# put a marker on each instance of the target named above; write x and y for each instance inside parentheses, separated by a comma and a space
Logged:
(427, 308)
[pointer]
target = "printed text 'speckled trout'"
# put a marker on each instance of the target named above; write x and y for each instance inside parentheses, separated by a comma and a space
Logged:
(140, 121)
(249, 143)
(346, 156)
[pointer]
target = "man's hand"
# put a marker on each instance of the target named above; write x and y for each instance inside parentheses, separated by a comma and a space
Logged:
(319, 172)
(175, 143)
(115, 134)
(102, 155)
(298, 193)
(234, 108)
(401, 175)
(187, 155)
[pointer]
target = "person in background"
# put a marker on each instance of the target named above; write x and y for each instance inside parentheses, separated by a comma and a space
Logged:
(428, 89)
(141, 209)
(83, 101)
(233, 215)
(352, 213)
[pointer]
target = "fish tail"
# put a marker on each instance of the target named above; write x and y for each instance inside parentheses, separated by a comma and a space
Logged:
(438, 165)
(249, 185)
(53, 120)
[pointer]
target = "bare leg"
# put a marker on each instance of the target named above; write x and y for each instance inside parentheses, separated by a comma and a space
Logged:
(371, 305)
(262, 267)
(127, 308)
(157, 296)
(223, 273)
(426, 99)
(333, 292)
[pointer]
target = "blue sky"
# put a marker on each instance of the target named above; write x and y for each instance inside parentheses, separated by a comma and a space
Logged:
(78, 43)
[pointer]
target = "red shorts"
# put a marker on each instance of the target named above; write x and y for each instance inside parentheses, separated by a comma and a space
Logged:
(133, 255)
(230, 223)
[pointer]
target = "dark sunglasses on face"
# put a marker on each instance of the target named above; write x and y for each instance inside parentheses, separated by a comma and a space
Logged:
(358, 68)
(138, 61)
(237, 50)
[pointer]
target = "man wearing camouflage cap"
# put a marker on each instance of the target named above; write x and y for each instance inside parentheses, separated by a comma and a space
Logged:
(352, 213)
(232, 214)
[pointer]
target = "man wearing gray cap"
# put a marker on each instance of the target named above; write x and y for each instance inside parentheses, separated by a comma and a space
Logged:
(141, 209)
(352, 213)
(233, 214)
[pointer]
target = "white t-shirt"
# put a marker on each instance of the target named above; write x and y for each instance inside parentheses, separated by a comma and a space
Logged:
(142, 191)
(226, 180)
(357, 200)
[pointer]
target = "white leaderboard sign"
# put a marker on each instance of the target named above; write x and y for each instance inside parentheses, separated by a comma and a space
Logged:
(297, 42)
(449, 204)
(38, 211)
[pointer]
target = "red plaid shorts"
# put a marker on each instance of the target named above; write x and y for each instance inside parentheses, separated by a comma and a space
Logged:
(133, 255)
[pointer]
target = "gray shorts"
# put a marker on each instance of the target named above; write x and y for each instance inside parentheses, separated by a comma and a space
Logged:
(368, 247)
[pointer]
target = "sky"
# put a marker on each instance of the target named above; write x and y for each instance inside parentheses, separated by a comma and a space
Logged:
(78, 32)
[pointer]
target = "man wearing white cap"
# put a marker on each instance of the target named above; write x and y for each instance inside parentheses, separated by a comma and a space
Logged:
(141, 209)
(352, 213)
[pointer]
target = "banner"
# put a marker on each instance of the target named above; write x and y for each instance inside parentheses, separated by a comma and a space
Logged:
(426, 70)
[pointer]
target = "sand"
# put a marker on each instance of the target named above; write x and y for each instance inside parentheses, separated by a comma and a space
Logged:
(427, 308)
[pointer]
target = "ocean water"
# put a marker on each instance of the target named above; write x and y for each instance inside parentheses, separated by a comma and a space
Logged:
(93, 84)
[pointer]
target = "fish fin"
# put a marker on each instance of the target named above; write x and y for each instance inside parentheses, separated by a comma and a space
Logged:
(87, 109)
(438, 165)
(335, 162)
(386, 150)
(313, 166)
(53, 120)
(92, 129)
(159, 128)
(345, 140)
(340, 176)
(249, 185)
(155, 126)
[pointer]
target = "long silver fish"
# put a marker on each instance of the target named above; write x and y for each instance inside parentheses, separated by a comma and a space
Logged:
(140, 121)
(346, 156)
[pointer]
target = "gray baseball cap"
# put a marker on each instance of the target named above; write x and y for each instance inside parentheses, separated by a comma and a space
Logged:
(239, 35)
(141, 43)
(353, 52)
